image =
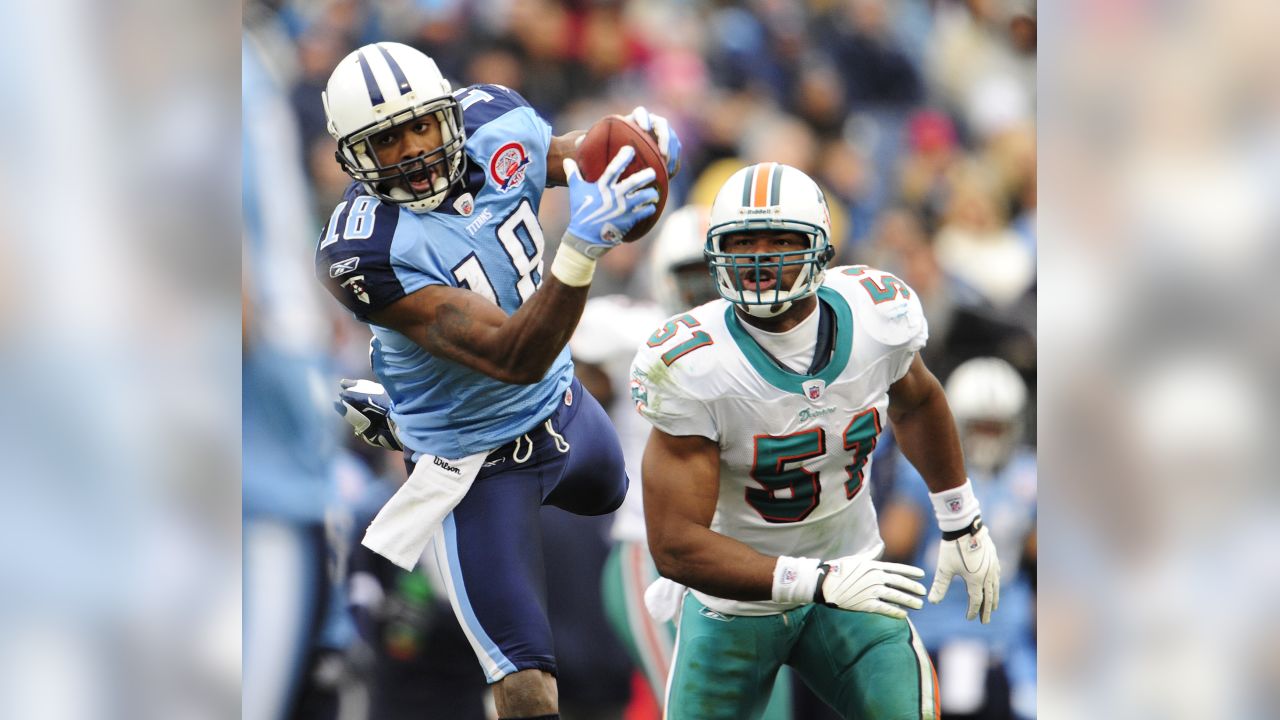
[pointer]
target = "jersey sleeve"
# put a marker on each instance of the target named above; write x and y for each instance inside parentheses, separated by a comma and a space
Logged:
(504, 131)
(353, 257)
(364, 260)
(667, 404)
(907, 325)
(889, 311)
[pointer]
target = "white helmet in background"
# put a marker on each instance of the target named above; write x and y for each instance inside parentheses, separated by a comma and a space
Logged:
(678, 274)
(988, 398)
(775, 197)
(380, 86)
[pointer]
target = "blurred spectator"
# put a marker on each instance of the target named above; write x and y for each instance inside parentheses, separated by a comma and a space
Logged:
(977, 70)
(976, 243)
(932, 151)
(875, 71)
(962, 323)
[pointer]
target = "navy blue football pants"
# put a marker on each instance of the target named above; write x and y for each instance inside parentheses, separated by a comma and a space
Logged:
(490, 547)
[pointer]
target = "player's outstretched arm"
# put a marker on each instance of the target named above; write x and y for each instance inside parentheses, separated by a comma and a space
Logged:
(468, 329)
(681, 484)
(926, 432)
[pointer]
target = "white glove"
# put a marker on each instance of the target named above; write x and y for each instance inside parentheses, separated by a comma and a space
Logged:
(972, 556)
(668, 141)
(662, 599)
(857, 582)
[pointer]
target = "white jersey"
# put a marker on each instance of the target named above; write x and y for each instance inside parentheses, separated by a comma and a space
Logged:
(606, 336)
(795, 450)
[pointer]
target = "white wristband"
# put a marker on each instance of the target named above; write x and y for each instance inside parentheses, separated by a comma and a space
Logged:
(955, 508)
(795, 579)
(571, 267)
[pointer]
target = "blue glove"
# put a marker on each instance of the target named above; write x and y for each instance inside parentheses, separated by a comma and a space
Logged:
(668, 141)
(602, 212)
(366, 405)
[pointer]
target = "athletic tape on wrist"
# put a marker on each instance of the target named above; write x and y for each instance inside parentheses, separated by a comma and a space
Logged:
(795, 579)
(955, 508)
(571, 267)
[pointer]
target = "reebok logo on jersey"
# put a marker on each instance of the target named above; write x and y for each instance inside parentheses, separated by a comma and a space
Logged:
(446, 466)
(342, 267)
(507, 166)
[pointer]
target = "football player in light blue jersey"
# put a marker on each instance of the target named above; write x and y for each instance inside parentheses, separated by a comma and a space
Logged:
(989, 672)
(288, 450)
(437, 246)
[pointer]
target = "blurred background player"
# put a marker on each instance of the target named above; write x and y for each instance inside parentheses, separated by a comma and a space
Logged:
(437, 246)
(988, 672)
(289, 449)
(766, 406)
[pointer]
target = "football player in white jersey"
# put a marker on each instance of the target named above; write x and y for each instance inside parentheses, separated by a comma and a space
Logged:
(766, 406)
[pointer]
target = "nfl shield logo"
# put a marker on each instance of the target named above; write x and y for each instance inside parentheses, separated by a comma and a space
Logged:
(813, 389)
(464, 205)
(954, 505)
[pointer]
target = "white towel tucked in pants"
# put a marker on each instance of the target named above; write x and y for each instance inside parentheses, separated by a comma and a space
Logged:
(404, 526)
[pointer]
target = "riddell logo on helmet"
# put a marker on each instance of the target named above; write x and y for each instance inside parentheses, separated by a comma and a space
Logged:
(507, 166)
(762, 211)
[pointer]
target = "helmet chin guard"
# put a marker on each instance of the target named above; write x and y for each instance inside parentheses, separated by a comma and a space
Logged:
(381, 86)
(769, 197)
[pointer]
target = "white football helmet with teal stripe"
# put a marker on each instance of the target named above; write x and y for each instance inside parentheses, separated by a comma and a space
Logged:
(769, 197)
(377, 87)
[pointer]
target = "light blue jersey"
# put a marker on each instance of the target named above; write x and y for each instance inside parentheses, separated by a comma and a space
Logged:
(289, 439)
(484, 237)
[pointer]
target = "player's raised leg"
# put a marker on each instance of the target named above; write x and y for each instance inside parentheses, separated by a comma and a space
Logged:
(593, 480)
(489, 551)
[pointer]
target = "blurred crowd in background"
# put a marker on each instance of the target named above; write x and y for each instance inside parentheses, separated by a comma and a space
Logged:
(916, 116)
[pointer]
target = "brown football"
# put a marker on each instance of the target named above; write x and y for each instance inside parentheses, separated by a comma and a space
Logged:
(602, 143)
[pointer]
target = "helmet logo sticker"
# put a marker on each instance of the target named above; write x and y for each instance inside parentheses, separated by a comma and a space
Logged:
(507, 166)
